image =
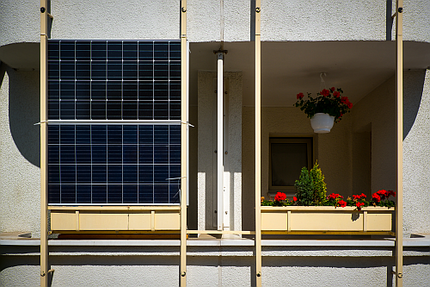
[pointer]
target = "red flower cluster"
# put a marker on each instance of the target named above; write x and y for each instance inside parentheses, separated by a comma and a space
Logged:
(382, 195)
(280, 196)
(342, 203)
(359, 205)
(357, 197)
(325, 92)
(300, 96)
(345, 100)
(294, 198)
(334, 196)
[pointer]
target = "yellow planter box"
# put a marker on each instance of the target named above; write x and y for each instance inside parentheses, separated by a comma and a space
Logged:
(326, 220)
(114, 218)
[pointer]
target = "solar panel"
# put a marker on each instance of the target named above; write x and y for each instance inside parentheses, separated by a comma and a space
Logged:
(114, 122)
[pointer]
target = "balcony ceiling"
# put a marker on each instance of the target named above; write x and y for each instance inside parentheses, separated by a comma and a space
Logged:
(292, 67)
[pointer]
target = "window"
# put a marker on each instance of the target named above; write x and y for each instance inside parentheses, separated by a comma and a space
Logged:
(114, 122)
(287, 157)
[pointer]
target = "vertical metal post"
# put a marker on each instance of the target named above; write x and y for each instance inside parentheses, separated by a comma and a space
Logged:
(399, 91)
(43, 148)
(184, 144)
(220, 140)
(258, 258)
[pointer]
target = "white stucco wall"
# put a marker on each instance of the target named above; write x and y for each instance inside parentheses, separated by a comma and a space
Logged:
(207, 144)
(19, 151)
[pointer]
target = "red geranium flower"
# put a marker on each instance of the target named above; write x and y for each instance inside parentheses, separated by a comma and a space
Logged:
(280, 196)
(342, 203)
(294, 198)
(300, 96)
(376, 197)
(336, 94)
(325, 93)
(332, 89)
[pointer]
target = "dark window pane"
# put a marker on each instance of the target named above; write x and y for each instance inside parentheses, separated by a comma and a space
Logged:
(115, 173)
(67, 50)
(53, 134)
(130, 50)
(161, 193)
(83, 70)
(129, 91)
(146, 70)
(160, 91)
(146, 110)
(130, 173)
(146, 173)
(114, 90)
(130, 134)
(82, 134)
(67, 110)
(98, 134)
(129, 193)
(98, 110)
(98, 153)
(98, 90)
(161, 110)
(67, 69)
(84, 193)
(82, 110)
(146, 154)
(54, 193)
(53, 154)
(98, 50)
(146, 134)
(114, 70)
(67, 173)
(67, 90)
(146, 51)
(83, 51)
(83, 90)
(160, 51)
(83, 173)
(146, 194)
(114, 110)
(114, 50)
(161, 135)
(83, 154)
(114, 193)
(98, 193)
(115, 134)
(114, 153)
(146, 91)
(98, 70)
(67, 154)
(68, 193)
(130, 110)
(129, 154)
(99, 173)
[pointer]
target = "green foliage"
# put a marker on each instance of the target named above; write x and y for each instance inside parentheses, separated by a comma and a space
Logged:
(311, 187)
(320, 187)
(305, 188)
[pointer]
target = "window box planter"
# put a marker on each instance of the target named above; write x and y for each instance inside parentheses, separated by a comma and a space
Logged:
(326, 220)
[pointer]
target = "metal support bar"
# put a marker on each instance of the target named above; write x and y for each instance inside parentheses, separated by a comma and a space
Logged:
(184, 144)
(43, 146)
(258, 260)
(399, 105)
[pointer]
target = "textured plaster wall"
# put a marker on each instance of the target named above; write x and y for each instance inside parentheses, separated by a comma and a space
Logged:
(377, 112)
(315, 20)
(19, 151)
(333, 151)
(234, 270)
(207, 141)
(416, 152)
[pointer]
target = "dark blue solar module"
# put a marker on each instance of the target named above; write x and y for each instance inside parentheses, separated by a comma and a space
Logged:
(112, 162)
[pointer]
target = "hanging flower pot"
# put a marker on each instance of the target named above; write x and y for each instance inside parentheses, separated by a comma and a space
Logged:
(322, 123)
(325, 109)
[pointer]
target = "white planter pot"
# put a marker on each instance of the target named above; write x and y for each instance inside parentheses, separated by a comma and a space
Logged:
(322, 123)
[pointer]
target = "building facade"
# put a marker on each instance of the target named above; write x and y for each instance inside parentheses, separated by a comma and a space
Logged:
(133, 88)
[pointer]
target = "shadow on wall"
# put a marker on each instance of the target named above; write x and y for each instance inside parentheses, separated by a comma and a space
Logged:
(24, 111)
(412, 94)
